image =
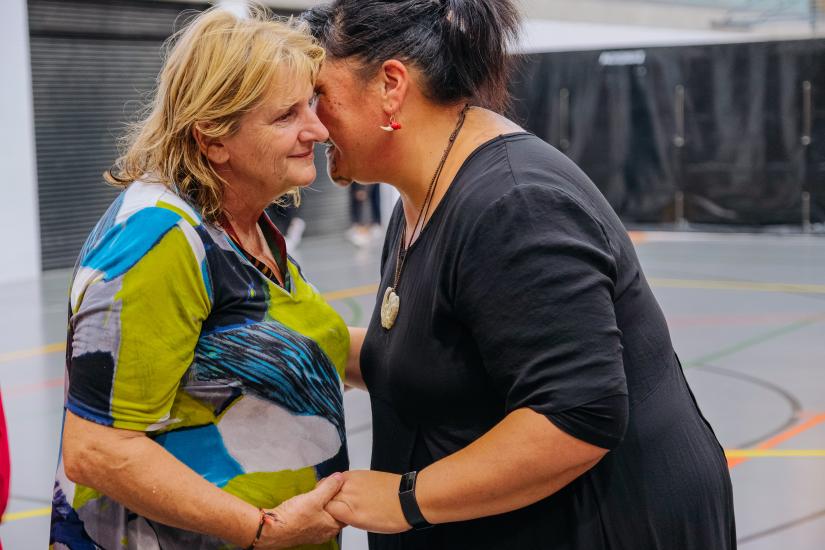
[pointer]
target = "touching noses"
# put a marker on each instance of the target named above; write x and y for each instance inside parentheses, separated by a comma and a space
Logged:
(314, 130)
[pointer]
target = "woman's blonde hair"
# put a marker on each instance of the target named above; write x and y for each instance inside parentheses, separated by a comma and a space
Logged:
(217, 67)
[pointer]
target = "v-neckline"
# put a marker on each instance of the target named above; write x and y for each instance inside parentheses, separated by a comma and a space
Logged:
(277, 246)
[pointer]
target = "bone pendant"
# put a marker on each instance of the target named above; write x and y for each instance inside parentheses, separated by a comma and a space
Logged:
(389, 308)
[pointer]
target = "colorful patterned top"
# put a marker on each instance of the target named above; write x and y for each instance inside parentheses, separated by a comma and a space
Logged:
(173, 332)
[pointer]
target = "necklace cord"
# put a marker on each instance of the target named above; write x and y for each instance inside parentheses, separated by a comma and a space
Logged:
(425, 207)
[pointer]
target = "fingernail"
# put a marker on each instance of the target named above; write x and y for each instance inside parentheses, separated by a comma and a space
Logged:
(336, 476)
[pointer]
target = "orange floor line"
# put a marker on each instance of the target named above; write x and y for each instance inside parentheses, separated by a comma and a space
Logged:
(25, 389)
(780, 438)
(637, 237)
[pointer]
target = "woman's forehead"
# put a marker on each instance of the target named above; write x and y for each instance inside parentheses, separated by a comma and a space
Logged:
(340, 76)
(286, 90)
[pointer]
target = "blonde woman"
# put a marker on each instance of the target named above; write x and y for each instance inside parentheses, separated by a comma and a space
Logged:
(204, 390)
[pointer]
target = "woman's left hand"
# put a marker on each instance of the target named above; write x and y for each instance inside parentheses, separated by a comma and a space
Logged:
(369, 500)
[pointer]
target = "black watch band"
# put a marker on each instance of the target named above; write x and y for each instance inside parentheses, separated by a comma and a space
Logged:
(406, 494)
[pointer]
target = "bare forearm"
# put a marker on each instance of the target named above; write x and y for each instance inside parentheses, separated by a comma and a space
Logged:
(356, 338)
(145, 478)
(524, 459)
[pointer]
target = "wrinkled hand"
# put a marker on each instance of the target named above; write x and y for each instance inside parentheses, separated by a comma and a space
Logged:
(302, 519)
(369, 501)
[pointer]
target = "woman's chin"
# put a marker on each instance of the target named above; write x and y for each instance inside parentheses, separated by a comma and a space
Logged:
(305, 179)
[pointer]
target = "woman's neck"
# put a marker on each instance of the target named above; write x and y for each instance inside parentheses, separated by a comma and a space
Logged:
(242, 212)
(423, 149)
(420, 147)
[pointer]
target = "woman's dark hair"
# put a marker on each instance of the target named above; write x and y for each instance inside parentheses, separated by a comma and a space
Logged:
(460, 46)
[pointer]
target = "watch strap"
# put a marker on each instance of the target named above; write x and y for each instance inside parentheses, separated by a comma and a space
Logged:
(409, 505)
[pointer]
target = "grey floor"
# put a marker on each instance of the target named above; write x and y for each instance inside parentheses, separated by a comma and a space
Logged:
(747, 313)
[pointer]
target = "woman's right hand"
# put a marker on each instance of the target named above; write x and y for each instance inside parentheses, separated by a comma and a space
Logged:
(302, 519)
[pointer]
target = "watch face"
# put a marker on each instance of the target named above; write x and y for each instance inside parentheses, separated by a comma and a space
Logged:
(407, 483)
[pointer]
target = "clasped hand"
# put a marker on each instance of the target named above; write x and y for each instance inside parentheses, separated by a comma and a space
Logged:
(368, 500)
(302, 519)
(364, 499)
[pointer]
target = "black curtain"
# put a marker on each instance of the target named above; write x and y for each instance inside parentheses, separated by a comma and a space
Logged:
(738, 129)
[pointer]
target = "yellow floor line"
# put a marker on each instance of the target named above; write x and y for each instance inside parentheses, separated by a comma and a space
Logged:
(26, 353)
(27, 514)
(738, 285)
(350, 292)
(775, 453)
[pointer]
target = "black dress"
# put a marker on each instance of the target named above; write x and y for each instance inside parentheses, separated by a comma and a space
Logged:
(524, 290)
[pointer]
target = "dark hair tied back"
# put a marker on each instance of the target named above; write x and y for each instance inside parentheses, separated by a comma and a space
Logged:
(460, 46)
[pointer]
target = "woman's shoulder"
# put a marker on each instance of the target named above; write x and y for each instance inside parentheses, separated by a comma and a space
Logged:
(521, 164)
(142, 195)
(143, 217)
(500, 165)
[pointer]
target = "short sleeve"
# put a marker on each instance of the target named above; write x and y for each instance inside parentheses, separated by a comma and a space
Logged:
(535, 284)
(139, 300)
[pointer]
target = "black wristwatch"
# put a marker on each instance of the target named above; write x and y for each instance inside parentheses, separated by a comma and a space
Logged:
(406, 493)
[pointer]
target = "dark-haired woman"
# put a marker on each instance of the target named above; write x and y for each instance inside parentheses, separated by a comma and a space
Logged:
(525, 392)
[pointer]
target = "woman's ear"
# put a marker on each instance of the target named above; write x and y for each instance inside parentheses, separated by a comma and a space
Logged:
(213, 148)
(395, 83)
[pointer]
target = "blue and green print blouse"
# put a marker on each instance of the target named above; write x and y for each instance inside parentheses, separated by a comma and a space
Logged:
(173, 332)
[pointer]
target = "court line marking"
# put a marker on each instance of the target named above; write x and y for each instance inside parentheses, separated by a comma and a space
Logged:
(793, 402)
(27, 514)
(373, 288)
(8, 357)
(778, 439)
(736, 457)
(332, 296)
(350, 292)
(753, 341)
(356, 310)
(781, 527)
(702, 284)
(743, 320)
(775, 453)
(25, 389)
(637, 237)
(734, 454)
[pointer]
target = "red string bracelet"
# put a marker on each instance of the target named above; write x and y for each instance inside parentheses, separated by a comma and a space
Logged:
(264, 515)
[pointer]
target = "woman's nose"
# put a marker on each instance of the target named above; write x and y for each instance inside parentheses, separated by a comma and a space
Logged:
(315, 130)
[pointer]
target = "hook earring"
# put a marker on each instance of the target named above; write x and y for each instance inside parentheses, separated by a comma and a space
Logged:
(392, 126)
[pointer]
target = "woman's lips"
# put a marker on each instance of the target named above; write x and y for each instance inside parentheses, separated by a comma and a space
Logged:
(308, 154)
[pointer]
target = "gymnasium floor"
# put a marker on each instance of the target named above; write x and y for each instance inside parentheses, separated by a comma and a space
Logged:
(747, 314)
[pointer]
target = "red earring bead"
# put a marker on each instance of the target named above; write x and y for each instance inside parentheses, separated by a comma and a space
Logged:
(395, 125)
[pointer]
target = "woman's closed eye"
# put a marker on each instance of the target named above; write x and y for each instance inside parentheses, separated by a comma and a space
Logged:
(292, 112)
(285, 117)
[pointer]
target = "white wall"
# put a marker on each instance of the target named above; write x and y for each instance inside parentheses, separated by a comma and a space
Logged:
(541, 35)
(19, 220)
(675, 15)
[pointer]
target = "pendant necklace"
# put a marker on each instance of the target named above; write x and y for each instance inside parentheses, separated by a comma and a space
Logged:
(392, 302)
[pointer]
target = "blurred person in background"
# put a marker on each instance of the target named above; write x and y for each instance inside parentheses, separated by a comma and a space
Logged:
(525, 391)
(360, 232)
(204, 394)
(285, 217)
